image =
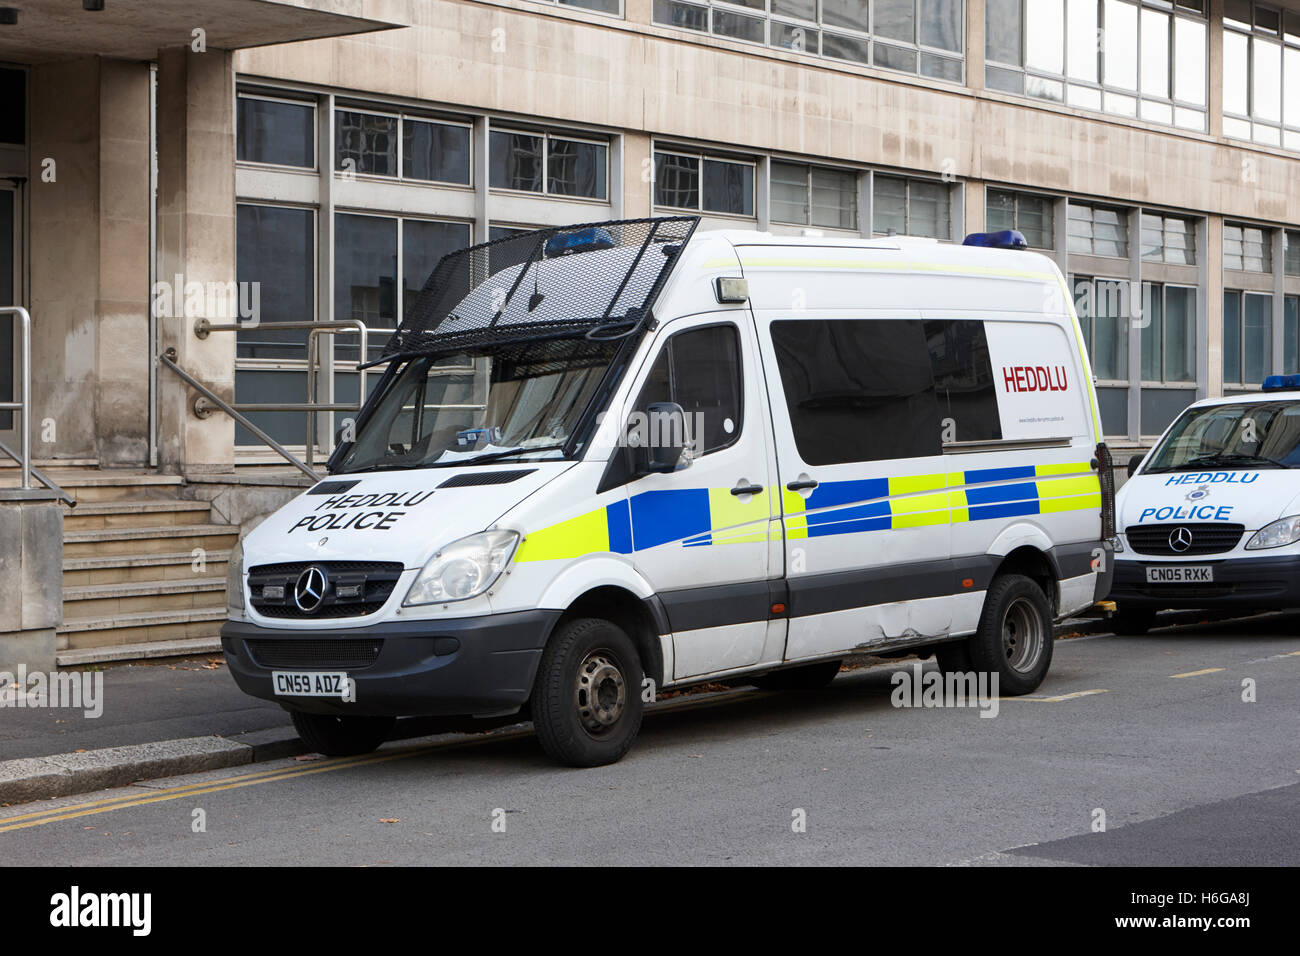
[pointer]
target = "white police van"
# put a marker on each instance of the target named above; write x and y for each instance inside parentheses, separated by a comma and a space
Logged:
(612, 459)
(1211, 517)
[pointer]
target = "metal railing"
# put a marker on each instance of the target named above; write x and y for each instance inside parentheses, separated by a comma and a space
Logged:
(203, 406)
(24, 408)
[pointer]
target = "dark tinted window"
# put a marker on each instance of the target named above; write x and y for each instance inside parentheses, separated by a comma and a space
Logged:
(963, 379)
(275, 252)
(576, 169)
(269, 131)
(435, 152)
(13, 118)
(858, 390)
(365, 143)
(700, 371)
(515, 161)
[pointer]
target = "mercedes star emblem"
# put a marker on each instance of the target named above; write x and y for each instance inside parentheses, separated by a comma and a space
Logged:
(309, 590)
(1180, 539)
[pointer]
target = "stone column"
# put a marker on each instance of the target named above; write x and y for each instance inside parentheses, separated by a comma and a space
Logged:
(196, 242)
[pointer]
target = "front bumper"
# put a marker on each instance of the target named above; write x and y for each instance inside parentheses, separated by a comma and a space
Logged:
(1243, 583)
(477, 666)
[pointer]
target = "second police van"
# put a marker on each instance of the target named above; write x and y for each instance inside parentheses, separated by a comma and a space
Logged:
(608, 460)
(1211, 517)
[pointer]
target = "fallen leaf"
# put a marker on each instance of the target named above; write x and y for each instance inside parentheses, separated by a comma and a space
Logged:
(307, 757)
(389, 820)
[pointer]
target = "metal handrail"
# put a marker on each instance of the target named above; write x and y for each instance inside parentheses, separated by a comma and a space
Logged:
(24, 408)
(168, 358)
(203, 328)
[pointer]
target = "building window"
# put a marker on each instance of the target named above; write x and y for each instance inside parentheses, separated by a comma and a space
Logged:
(1168, 337)
(911, 207)
(613, 8)
(1098, 231)
(1169, 239)
(368, 270)
(1152, 65)
(1290, 335)
(1104, 309)
(1291, 252)
(1031, 214)
(1261, 74)
(1247, 337)
(1246, 248)
(550, 164)
(275, 131)
(924, 37)
(814, 196)
(275, 247)
(704, 183)
(381, 144)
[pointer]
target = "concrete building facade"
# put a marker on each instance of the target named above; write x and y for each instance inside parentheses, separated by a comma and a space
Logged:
(271, 161)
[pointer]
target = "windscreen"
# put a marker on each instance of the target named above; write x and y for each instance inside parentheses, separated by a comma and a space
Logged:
(509, 403)
(1255, 435)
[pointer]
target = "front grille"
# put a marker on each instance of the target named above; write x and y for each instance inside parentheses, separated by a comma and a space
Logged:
(352, 588)
(1206, 538)
(343, 653)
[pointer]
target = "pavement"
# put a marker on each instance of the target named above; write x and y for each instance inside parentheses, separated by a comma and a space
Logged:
(169, 717)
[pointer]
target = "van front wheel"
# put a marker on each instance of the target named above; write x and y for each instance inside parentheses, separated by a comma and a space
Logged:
(341, 736)
(1014, 638)
(586, 700)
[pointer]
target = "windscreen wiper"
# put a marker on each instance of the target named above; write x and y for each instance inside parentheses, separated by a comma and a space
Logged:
(1222, 459)
(495, 455)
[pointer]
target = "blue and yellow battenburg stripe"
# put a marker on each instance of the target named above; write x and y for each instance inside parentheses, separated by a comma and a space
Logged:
(705, 516)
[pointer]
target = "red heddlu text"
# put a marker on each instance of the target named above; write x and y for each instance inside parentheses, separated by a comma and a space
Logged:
(1035, 378)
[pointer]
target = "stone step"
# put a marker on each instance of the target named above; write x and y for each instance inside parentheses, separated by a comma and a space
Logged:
(143, 627)
(121, 568)
(98, 600)
(93, 485)
(134, 513)
(183, 647)
(136, 540)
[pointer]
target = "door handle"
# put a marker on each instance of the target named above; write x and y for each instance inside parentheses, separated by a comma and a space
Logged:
(746, 489)
(807, 485)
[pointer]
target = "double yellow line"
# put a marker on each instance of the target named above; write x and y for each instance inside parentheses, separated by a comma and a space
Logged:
(123, 801)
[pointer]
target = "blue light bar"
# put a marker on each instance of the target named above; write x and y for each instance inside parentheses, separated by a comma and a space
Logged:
(1006, 239)
(1279, 383)
(584, 240)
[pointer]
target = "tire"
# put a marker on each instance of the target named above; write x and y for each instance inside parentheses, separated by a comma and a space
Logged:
(1014, 638)
(341, 736)
(806, 677)
(1132, 621)
(575, 726)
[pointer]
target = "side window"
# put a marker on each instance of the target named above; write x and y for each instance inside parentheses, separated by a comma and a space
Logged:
(963, 379)
(699, 369)
(858, 389)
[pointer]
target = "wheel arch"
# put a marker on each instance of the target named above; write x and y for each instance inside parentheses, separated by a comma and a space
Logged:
(641, 619)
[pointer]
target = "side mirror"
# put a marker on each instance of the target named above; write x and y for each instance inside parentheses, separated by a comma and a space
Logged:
(1133, 464)
(667, 445)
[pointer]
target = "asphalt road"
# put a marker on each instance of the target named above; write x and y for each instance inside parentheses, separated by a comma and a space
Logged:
(1151, 731)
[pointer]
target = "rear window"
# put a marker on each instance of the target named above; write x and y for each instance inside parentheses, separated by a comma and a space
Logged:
(881, 389)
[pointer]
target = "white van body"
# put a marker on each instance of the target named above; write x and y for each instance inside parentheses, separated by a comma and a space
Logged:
(1203, 522)
(717, 568)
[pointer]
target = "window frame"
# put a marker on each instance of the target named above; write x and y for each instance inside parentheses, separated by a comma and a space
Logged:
(808, 169)
(400, 160)
(663, 349)
(1269, 256)
(700, 158)
(1241, 339)
(1016, 195)
(1090, 333)
(1165, 219)
(1165, 380)
(1174, 10)
(546, 135)
(1288, 133)
(908, 180)
(621, 15)
(309, 102)
(1122, 212)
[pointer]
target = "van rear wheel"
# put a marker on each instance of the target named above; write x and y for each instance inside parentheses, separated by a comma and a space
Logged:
(1014, 638)
(341, 736)
(586, 701)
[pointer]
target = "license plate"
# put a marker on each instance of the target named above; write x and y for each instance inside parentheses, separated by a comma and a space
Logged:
(309, 683)
(1180, 574)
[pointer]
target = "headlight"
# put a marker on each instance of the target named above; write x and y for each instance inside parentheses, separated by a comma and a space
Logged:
(1281, 532)
(1118, 544)
(235, 581)
(463, 569)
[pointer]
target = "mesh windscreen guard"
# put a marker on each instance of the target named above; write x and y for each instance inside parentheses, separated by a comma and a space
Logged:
(594, 281)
